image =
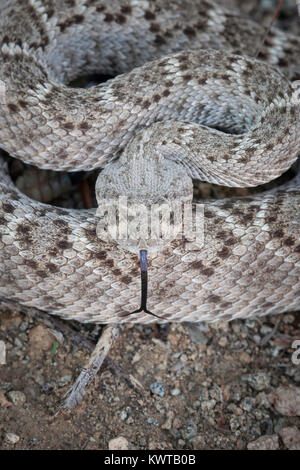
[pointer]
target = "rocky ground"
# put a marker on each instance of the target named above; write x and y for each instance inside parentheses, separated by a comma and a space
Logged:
(219, 386)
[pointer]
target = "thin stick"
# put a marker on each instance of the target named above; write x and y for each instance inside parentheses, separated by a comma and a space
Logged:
(75, 394)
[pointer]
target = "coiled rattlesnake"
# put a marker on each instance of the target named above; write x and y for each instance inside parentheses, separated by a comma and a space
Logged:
(180, 112)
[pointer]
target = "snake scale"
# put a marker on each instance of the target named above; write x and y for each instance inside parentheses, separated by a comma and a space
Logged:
(188, 100)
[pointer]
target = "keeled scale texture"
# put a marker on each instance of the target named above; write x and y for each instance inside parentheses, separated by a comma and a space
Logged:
(51, 258)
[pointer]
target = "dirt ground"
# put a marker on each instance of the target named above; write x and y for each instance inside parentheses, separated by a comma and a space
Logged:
(218, 386)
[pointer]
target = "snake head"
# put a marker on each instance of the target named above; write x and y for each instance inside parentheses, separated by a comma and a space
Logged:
(140, 198)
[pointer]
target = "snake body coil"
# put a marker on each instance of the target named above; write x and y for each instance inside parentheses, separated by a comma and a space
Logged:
(188, 102)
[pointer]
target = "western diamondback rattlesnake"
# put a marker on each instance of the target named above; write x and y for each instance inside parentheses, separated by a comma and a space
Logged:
(161, 111)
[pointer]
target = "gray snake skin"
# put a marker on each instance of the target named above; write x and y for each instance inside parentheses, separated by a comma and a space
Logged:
(189, 101)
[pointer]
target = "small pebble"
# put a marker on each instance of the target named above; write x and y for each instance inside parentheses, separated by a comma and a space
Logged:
(33, 441)
(17, 343)
(264, 443)
(6, 386)
(125, 413)
(208, 405)
(197, 333)
(288, 318)
(177, 423)
(245, 358)
(198, 442)
(291, 437)
(16, 397)
(23, 326)
(257, 339)
(158, 388)
(286, 400)
(2, 353)
(236, 328)
(259, 381)
(247, 403)
(216, 393)
(136, 358)
(250, 323)
(265, 330)
(234, 424)
(168, 423)
(65, 379)
(4, 403)
(181, 443)
(189, 431)
(262, 400)
(223, 341)
(47, 387)
(152, 422)
(118, 443)
(11, 438)
(40, 339)
(236, 394)
(232, 408)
